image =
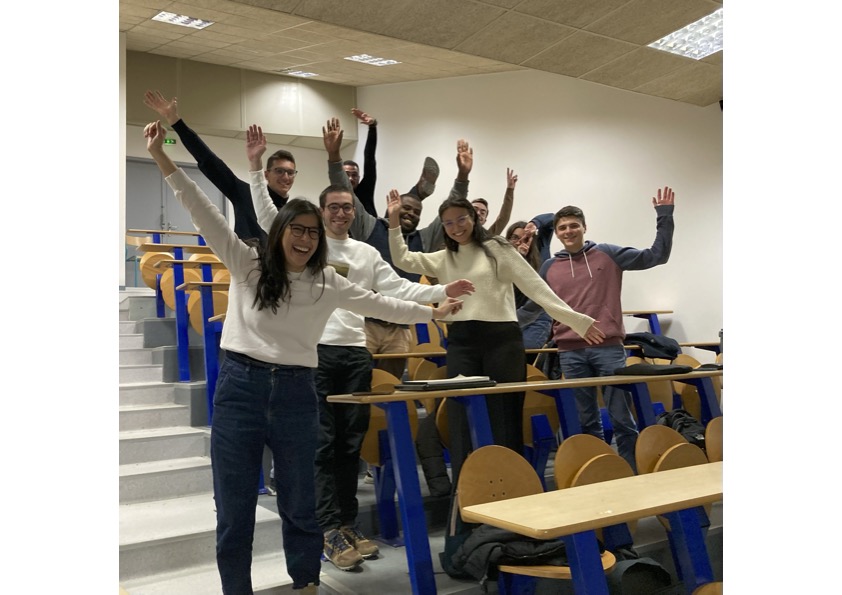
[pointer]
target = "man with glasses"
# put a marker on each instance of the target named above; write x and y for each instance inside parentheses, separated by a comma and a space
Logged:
(280, 169)
(385, 337)
(344, 362)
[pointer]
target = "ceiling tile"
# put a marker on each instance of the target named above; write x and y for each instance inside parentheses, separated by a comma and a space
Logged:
(715, 58)
(574, 13)
(578, 54)
(636, 68)
(683, 82)
(514, 38)
(704, 97)
(501, 3)
(645, 21)
(162, 30)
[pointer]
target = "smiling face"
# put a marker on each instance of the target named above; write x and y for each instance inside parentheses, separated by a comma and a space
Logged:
(339, 222)
(458, 224)
(410, 213)
(571, 233)
(280, 176)
(299, 250)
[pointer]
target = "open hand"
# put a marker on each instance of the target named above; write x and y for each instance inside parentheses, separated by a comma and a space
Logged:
(464, 157)
(665, 198)
(255, 142)
(332, 134)
(166, 108)
(393, 208)
(459, 287)
(594, 336)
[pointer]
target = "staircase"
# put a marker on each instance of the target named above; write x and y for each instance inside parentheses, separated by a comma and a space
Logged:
(167, 517)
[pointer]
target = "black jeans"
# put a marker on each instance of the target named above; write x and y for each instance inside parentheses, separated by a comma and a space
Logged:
(342, 427)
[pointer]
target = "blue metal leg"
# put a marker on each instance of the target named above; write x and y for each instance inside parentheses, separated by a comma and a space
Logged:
(211, 351)
(384, 489)
(543, 440)
(182, 339)
(568, 416)
(586, 564)
(478, 422)
(707, 398)
(642, 403)
(690, 553)
(418, 557)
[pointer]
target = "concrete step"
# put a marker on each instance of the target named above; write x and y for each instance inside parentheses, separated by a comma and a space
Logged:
(129, 327)
(173, 536)
(140, 417)
(160, 444)
(131, 341)
(135, 357)
(162, 480)
(146, 393)
(141, 373)
(268, 577)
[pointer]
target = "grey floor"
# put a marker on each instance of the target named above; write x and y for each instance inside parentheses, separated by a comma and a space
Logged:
(388, 574)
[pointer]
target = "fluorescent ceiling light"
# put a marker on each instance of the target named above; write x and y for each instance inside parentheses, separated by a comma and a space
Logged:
(374, 61)
(697, 40)
(300, 73)
(180, 19)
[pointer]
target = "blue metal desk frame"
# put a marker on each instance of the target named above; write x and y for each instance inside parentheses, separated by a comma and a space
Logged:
(583, 548)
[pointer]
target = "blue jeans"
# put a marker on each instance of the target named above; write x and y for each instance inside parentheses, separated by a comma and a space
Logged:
(342, 427)
(602, 361)
(255, 404)
(537, 333)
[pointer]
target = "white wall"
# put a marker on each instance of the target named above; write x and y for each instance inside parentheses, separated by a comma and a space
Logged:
(573, 142)
(570, 142)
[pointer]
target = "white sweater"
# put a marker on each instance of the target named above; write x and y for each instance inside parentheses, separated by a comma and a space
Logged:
(288, 337)
(365, 267)
(494, 299)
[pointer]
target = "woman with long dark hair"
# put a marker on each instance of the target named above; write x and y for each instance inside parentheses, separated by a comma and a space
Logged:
(484, 337)
(536, 333)
(280, 298)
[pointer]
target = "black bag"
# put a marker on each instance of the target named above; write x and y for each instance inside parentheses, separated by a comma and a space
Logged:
(685, 424)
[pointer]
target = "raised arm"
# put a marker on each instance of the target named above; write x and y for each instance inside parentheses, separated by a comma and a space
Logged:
(365, 189)
(363, 223)
(206, 217)
(508, 200)
(264, 208)
(411, 262)
(634, 259)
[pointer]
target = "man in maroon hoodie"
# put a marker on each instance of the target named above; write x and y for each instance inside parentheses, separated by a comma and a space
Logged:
(589, 277)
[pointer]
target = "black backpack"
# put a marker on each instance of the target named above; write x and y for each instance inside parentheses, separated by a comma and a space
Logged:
(685, 424)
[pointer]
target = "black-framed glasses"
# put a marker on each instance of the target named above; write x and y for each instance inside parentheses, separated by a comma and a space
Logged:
(346, 208)
(279, 171)
(298, 231)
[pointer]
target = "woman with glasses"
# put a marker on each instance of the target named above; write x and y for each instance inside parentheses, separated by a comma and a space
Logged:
(280, 298)
(484, 337)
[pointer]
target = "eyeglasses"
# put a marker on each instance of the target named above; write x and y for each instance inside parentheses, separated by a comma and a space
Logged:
(298, 231)
(460, 221)
(346, 208)
(279, 171)
(518, 239)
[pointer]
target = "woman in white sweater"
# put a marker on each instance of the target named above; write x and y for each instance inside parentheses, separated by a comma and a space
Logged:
(280, 298)
(483, 338)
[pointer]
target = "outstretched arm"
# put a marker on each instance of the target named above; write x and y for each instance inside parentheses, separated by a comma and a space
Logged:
(635, 259)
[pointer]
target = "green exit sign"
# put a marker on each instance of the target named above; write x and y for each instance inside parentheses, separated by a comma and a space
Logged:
(169, 141)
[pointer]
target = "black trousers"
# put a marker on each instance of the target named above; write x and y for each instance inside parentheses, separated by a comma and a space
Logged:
(342, 427)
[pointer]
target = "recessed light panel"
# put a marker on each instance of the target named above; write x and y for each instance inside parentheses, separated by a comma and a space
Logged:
(697, 40)
(180, 19)
(374, 61)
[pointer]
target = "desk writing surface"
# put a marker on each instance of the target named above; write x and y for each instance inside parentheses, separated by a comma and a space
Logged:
(192, 248)
(170, 232)
(562, 512)
(509, 387)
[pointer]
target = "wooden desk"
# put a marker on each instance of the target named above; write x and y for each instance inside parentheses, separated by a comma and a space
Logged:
(402, 449)
(574, 513)
(191, 248)
(162, 232)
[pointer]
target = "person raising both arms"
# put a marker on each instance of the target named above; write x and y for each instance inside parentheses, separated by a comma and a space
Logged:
(282, 294)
